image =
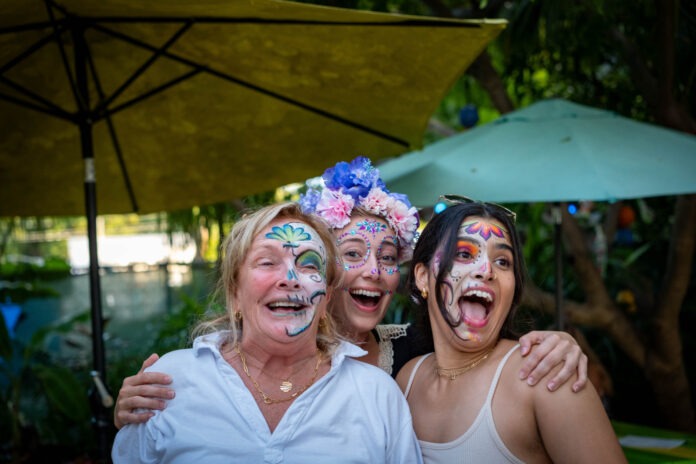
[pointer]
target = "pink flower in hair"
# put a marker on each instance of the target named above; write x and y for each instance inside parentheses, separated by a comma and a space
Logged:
(404, 220)
(377, 201)
(335, 208)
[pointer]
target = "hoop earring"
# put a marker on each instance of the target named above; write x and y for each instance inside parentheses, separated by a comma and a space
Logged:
(424, 293)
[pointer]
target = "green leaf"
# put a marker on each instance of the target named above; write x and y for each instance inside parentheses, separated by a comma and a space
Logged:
(65, 394)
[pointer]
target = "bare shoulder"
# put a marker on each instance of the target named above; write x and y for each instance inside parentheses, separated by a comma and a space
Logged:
(404, 374)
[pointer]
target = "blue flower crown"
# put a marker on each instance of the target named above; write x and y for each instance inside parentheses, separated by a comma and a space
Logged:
(334, 195)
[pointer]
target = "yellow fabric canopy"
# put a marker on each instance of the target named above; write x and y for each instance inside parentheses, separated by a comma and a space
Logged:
(199, 102)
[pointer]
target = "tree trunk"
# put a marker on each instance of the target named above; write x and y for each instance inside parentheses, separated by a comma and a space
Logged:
(664, 367)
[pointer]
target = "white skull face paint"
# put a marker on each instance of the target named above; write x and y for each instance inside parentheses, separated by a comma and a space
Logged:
(477, 291)
(284, 279)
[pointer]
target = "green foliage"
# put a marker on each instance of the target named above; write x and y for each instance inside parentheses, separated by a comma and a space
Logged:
(43, 403)
(22, 280)
(174, 333)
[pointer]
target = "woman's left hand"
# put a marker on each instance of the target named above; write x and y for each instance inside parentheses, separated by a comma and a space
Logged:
(553, 348)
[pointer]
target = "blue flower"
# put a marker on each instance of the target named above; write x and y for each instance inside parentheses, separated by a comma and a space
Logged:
(338, 177)
(356, 178)
(308, 201)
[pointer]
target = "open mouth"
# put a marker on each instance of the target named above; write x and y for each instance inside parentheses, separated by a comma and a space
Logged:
(287, 308)
(475, 305)
(366, 299)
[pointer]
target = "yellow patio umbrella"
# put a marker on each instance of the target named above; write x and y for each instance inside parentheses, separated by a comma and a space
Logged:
(166, 104)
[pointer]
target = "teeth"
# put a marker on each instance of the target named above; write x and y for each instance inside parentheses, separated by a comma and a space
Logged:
(285, 304)
(479, 294)
(367, 293)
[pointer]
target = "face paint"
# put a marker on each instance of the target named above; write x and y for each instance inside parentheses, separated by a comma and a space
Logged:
(355, 248)
(284, 278)
(369, 257)
(477, 291)
(373, 227)
(484, 229)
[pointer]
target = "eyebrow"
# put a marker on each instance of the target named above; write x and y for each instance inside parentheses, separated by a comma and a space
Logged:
(477, 242)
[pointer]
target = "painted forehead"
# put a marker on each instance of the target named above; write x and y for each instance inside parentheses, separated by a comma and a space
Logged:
(369, 227)
(293, 234)
(485, 229)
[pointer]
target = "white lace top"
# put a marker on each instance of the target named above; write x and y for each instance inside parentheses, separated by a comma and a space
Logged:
(385, 334)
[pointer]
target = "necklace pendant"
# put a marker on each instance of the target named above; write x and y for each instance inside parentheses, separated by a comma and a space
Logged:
(286, 386)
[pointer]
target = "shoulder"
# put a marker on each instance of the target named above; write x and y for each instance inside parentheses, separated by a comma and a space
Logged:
(366, 373)
(406, 372)
(205, 349)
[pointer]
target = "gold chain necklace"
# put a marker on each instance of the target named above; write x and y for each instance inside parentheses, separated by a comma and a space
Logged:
(286, 384)
(267, 399)
(454, 372)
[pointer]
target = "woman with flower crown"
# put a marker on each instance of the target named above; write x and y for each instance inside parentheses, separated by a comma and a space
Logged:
(375, 232)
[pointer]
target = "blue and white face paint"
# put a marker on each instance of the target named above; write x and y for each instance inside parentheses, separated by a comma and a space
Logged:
(283, 280)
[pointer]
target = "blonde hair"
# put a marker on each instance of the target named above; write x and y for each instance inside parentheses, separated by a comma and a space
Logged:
(236, 247)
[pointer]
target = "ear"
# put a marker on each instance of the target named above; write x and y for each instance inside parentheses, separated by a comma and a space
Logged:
(422, 274)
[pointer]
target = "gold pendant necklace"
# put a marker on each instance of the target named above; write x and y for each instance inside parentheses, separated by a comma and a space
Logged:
(454, 372)
(285, 384)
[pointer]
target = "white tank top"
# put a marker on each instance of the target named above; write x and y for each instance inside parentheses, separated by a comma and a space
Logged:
(481, 443)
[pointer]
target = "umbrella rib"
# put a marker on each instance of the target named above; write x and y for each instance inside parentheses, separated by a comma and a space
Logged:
(59, 113)
(147, 64)
(73, 85)
(27, 53)
(148, 94)
(288, 22)
(251, 86)
(25, 27)
(48, 106)
(112, 133)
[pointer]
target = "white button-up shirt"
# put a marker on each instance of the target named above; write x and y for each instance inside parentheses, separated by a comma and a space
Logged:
(354, 414)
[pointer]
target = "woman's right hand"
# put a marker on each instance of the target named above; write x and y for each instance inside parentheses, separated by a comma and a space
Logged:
(143, 390)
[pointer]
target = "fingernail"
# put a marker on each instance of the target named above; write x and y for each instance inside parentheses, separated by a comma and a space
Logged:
(170, 394)
(167, 379)
(522, 375)
(531, 381)
(551, 386)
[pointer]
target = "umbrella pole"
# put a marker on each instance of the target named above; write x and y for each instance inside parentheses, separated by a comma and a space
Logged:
(558, 252)
(99, 398)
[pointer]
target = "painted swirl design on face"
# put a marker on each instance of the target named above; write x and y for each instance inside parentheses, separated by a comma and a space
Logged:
(304, 256)
(312, 259)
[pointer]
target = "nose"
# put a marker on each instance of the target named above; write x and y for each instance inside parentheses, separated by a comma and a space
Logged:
(372, 270)
(484, 271)
(291, 281)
